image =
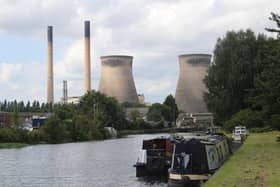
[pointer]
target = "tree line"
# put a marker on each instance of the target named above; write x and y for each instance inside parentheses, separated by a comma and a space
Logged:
(21, 106)
(244, 80)
(85, 121)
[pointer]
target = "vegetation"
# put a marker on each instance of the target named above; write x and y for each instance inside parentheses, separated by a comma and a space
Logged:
(167, 111)
(35, 106)
(134, 105)
(85, 121)
(12, 145)
(243, 82)
(255, 164)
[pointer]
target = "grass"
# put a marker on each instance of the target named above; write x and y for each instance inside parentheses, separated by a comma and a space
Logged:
(256, 164)
(12, 145)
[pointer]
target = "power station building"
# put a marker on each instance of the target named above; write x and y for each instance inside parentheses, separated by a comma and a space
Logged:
(117, 79)
(190, 86)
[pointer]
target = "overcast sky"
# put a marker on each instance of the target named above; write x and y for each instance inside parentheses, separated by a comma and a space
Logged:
(155, 32)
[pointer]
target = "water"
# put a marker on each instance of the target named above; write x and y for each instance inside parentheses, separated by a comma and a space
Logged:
(97, 163)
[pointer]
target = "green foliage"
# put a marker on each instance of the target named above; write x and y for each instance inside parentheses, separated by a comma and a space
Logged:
(232, 75)
(37, 136)
(13, 135)
(154, 113)
(243, 82)
(172, 113)
(55, 130)
(246, 117)
(96, 102)
(134, 114)
(132, 105)
(261, 129)
(11, 106)
(79, 128)
(167, 111)
(65, 111)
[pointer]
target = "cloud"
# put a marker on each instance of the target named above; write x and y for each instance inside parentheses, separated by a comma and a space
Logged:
(154, 32)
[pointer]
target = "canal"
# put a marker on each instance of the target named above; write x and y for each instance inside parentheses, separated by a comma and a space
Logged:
(97, 163)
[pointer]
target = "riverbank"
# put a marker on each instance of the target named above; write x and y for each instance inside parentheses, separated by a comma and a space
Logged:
(146, 131)
(12, 145)
(257, 163)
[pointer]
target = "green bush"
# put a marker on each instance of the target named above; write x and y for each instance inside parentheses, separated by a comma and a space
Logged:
(246, 117)
(7, 135)
(55, 130)
(261, 129)
(37, 136)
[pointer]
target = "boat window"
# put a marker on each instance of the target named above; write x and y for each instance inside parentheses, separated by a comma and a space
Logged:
(220, 148)
(217, 150)
(225, 146)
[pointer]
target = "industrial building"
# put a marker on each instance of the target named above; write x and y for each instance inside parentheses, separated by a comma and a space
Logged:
(117, 79)
(190, 86)
(5, 119)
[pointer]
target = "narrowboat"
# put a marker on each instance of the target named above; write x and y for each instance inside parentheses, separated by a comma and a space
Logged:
(155, 156)
(197, 158)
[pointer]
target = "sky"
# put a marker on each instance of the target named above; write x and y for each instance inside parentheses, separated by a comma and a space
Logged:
(153, 32)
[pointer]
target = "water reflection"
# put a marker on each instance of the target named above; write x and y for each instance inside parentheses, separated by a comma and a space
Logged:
(101, 163)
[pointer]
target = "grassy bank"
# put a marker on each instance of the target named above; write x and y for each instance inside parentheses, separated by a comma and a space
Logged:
(12, 145)
(256, 164)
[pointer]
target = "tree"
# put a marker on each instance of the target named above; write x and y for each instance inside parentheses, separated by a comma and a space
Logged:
(93, 102)
(172, 112)
(155, 112)
(55, 130)
(232, 75)
(261, 103)
(15, 117)
(134, 114)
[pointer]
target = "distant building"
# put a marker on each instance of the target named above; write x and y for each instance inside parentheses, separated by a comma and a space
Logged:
(72, 99)
(5, 120)
(38, 121)
(194, 120)
(142, 112)
(141, 98)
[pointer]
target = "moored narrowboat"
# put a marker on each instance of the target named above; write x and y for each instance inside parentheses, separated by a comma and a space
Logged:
(155, 157)
(196, 159)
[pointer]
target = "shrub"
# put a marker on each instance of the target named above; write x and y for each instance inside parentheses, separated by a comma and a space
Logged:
(246, 117)
(37, 136)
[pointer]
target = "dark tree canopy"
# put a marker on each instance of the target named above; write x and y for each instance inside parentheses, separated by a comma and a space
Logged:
(231, 77)
(244, 81)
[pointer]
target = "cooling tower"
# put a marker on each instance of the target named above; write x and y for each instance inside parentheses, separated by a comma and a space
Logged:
(87, 57)
(116, 78)
(50, 98)
(190, 86)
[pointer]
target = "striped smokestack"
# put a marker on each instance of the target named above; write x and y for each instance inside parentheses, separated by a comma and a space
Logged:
(87, 57)
(50, 98)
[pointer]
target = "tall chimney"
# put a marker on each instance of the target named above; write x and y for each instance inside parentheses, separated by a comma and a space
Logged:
(87, 57)
(65, 92)
(50, 98)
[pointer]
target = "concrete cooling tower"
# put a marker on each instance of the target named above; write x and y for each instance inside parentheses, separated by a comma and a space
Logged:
(190, 86)
(117, 79)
